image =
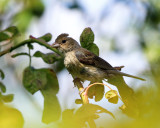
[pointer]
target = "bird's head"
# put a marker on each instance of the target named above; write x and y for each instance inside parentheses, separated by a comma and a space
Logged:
(65, 44)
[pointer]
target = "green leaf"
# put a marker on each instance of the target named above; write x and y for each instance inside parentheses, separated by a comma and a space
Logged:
(94, 49)
(38, 54)
(96, 91)
(34, 79)
(87, 37)
(8, 98)
(46, 81)
(20, 54)
(4, 36)
(2, 87)
(13, 29)
(36, 7)
(2, 74)
(8, 33)
(49, 58)
(47, 37)
(52, 110)
(59, 65)
(23, 19)
(112, 96)
(30, 46)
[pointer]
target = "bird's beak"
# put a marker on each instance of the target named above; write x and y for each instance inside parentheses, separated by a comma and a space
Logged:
(55, 45)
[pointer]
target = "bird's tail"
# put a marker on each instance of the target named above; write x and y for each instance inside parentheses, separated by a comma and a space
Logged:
(125, 74)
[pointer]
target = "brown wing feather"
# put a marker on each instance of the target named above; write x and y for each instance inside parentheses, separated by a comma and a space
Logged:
(89, 58)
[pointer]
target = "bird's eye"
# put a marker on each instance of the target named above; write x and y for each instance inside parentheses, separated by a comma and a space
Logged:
(63, 41)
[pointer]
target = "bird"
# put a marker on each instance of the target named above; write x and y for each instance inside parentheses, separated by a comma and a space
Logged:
(83, 64)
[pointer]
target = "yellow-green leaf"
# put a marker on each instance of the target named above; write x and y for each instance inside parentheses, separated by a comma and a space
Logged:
(52, 109)
(96, 91)
(112, 96)
(8, 98)
(78, 101)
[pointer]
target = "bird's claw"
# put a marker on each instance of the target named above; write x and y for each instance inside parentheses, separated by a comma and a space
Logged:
(77, 81)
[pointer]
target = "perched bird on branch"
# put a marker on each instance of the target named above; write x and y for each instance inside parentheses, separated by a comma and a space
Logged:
(84, 64)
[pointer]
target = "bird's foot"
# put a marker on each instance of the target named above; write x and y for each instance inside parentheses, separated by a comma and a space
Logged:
(77, 82)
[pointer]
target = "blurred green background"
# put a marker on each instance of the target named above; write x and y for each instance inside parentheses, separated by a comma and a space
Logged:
(127, 33)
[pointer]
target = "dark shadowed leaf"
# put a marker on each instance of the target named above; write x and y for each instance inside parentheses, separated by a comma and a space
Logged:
(8, 98)
(4, 36)
(49, 58)
(2, 87)
(2, 74)
(59, 65)
(52, 110)
(36, 7)
(91, 111)
(8, 33)
(96, 91)
(34, 79)
(112, 96)
(30, 46)
(46, 81)
(20, 54)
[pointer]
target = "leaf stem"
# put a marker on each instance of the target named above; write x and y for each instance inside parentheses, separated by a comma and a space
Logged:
(30, 58)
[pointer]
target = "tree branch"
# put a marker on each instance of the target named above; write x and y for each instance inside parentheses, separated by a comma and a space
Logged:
(41, 40)
(83, 95)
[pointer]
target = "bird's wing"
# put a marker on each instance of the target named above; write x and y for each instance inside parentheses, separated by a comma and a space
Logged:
(89, 58)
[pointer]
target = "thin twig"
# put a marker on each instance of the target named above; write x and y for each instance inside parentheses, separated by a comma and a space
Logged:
(30, 58)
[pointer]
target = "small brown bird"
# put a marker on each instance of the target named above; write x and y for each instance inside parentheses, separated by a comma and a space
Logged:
(84, 64)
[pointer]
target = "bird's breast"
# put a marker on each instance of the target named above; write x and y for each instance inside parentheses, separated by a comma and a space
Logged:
(72, 63)
(77, 69)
